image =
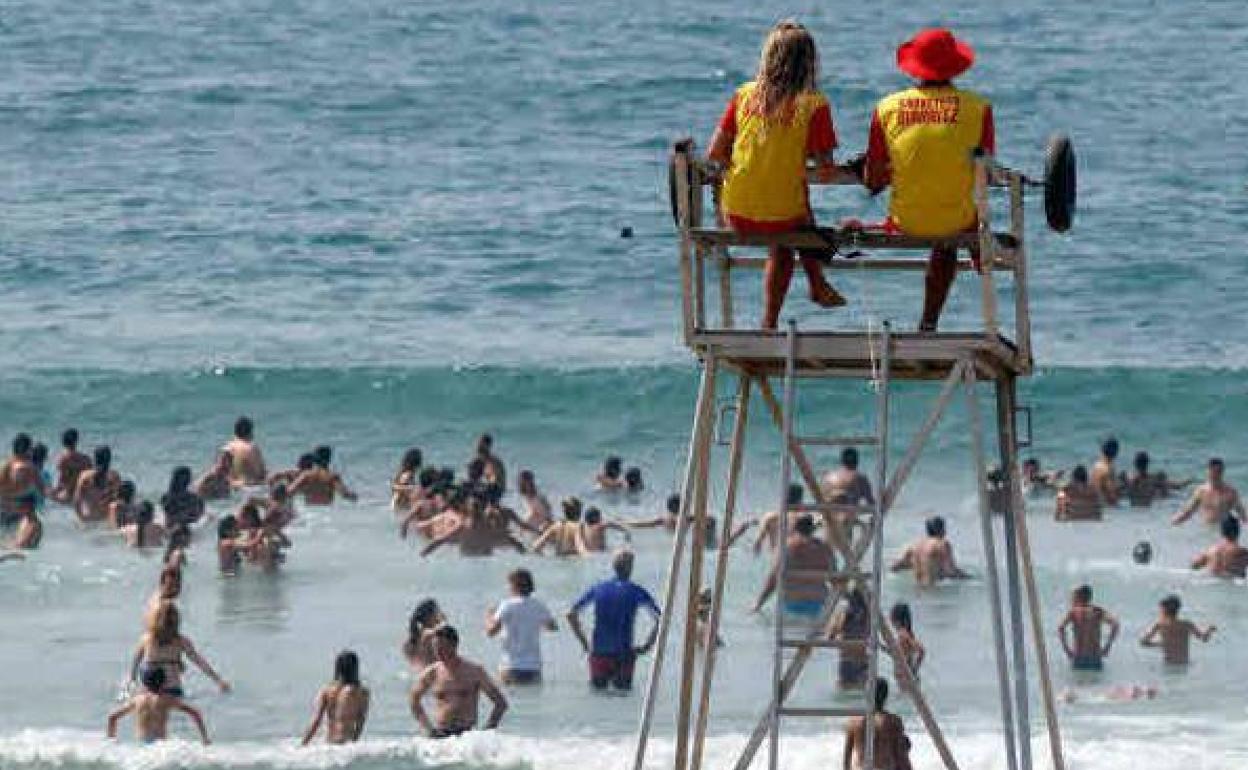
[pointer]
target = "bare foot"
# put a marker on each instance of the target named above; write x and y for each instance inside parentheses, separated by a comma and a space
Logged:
(826, 296)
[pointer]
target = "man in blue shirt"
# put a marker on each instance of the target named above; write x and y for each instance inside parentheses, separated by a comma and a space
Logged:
(612, 654)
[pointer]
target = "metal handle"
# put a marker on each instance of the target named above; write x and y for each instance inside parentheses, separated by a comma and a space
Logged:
(723, 437)
(1025, 411)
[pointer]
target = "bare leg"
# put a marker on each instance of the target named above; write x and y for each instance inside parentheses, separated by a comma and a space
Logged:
(821, 292)
(942, 268)
(776, 277)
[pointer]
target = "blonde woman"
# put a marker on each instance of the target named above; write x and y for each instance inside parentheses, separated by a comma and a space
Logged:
(163, 646)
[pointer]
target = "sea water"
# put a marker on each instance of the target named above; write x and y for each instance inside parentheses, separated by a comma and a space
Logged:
(389, 225)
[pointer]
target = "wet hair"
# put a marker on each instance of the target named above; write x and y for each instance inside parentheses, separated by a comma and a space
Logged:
(102, 457)
(900, 616)
(1079, 474)
(1171, 605)
(881, 693)
(423, 615)
(796, 492)
(1141, 462)
(572, 509)
(673, 504)
(622, 563)
(69, 439)
(476, 469)
(804, 525)
(323, 455)
(153, 678)
(170, 582)
(447, 633)
(1083, 593)
(935, 527)
(522, 581)
(849, 458)
(592, 515)
(244, 428)
(21, 443)
(1230, 527)
(305, 462)
(632, 478)
(39, 454)
(227, 527)
(788, 66)
(1109, 447)
(249, 515)
(125, 491)
(1143, 552)
(1217, 462)
(164, 623)
(611, 467)
(412, 459)
(347, 668)
(485, 443)
(428, 477)
(179, 480)
(526, 477)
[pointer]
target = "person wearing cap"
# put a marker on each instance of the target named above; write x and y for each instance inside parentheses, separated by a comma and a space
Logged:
(921, 142)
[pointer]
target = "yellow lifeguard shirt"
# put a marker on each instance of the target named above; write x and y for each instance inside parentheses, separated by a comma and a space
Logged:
(925, 136)
(766, 180)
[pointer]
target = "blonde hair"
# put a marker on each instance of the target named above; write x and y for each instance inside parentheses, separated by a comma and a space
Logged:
(164, 623)
(789, 66)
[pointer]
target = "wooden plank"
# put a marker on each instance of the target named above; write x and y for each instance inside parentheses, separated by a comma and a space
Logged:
(987, 246)
(1004, 262)
(823, 237)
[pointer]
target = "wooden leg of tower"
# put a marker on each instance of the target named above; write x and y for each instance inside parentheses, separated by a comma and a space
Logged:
(990, 568)
(695, 521)
(736, 453)
(1033, 597)
(695, 464)
(1008, 445)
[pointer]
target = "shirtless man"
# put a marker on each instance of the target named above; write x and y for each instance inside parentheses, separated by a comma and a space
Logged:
(1173, 635)
(306, 462)
(97, 487)
(215, 484)
(448, 520)
(809, 563)
(891, 750)
(610, 479)
(594, 531)
(1038, 483)
(847, 485)
(769, 524)
(1215, 499)
(1225, 558)
(565, 536)
(1144, 486)
(456, 685)
(932, 557)
(671, 515)
(319, 484)
(1105, 478)
(151, 710)
(474, 535)
(21, 485)
(69, 466)
(494, 471)
(247, 468)
(1085, 619)
(1078, 500)
(536, 506)
(342, 704)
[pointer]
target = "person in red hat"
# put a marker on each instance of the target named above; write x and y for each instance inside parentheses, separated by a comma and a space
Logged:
(921, 143)
(771, 126)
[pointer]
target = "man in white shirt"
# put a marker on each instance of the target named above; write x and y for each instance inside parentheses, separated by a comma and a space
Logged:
(521, 618)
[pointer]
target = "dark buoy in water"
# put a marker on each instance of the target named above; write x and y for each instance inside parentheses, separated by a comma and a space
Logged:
(626, 232)
(1142, 553)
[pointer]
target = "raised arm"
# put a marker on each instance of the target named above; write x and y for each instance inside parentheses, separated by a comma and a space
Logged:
(193, 655)
(1149, 639)
(322, 703)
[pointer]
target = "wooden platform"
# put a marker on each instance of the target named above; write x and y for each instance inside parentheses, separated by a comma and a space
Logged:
(915, 356)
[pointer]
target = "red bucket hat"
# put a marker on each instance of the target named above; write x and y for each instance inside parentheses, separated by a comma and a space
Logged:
(934, 54)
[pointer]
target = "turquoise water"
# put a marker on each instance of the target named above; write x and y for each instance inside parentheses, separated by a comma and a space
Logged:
(381, 226)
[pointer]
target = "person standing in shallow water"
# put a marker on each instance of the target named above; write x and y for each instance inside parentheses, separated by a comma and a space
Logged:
(1214, 499)
(69, 466)
(457, 685)
(151, 709)
(342, 704)
(521, 618)
(1085, 620)
(769, 129)
(246, 461)
(612, 655)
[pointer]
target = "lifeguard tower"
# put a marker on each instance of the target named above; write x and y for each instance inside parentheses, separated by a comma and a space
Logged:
(998, 353)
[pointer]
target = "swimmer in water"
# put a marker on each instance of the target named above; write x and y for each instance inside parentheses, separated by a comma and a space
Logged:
(1145, 486)
(230, 546)
(851, 626)
(69, 466)
(246, 461)
(1225, 558)
(566, 535)
(474, 534)
(1173, 635)
(144, 532)
(97, 487)
(1085, 621)
(536, 505)
(912, 650)
(456, 685)
(405, 486)
(179, 504)
(418, 648)
(306, 462)
(891, 748)
(931, 558)
(521, 618)
(633, 483)
(215, 483)
(1214, 499)
(1078, 500)
(769, 523)
(178, 540)
(21, 485)
(319, 484)
(342, 704)
(162, 646)
(123, 511)
(1038, 483)
(151, 709)
(594, 530)
(671, 515)
(847, 485)
(1105, 479)
(493, 471)
(609, 478)
(809, 562)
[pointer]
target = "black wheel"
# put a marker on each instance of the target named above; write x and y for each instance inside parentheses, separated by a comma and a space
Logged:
(1059, 183)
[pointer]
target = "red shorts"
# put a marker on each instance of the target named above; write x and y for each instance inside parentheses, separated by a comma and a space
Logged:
(614, 669)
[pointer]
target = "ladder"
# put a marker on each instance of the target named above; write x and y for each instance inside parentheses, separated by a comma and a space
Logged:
(867, 521)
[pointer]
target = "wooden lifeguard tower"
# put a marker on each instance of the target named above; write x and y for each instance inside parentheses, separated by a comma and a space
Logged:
(960, 362)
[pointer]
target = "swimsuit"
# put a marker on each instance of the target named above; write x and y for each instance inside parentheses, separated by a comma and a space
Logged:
(616, 669)
(1087, 663)
(447, 732)
(851, 672)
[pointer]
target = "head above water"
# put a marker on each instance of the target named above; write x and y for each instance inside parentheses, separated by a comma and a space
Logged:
(521, 582)
(1079, 475)
(21, 445)
(787, 67)
(227, 528)
(1230, 528)
(1109, 447)
(622, 564)
(673, 504)
(881, 693)
(633, 480)
(526, 482)
(804, 525)
(900, 616)
(428, 477)
(426, 615)
(593, 516)
(102, 457)
(1031, 465)
(796, 492)
(306, 461)
(1082, 594)
(935, 526)
(612, 467)
(1142, 553)
(1141, 462)
(69, 439)
(485, 444)
(180, 480)
(412, 459)
(445, 641)
(39, 454)
(125, 491)
(324, 455)
(1171, 605)
(571, 509)
(1216, 468)
(244, 429)
(146, 513)
(347, 668)
(849, 458)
